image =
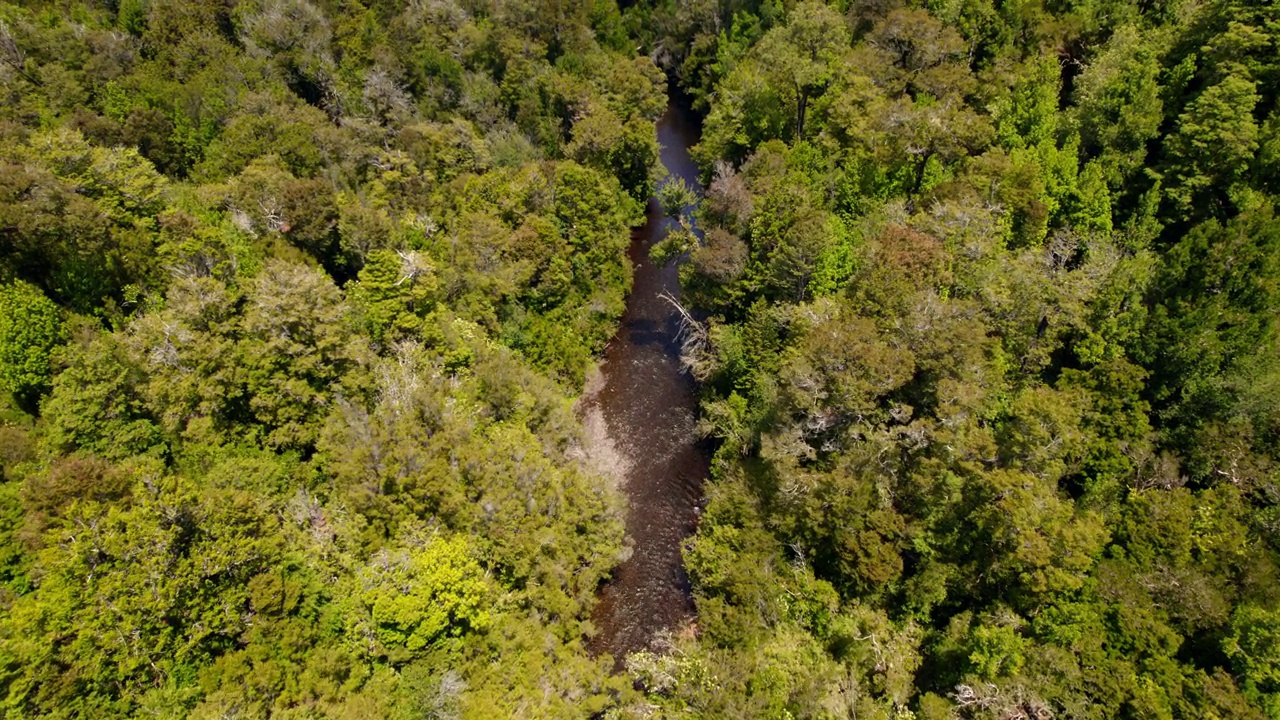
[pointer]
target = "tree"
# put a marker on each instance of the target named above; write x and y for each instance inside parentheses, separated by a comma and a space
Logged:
(296, 350)
(417, 597)
(97, 404)
(628, 150)
(1034, 538)
(1212, 305)
(799, 57)
(148, 595)
(1117, 100)
(768, 95)
(1211, 150)
(296, 36)
(924, 56)
(80, 219)
(395, 290)
(1253, 646)
(30, 328)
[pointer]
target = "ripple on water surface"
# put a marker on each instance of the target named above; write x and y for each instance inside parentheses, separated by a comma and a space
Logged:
(642, 411)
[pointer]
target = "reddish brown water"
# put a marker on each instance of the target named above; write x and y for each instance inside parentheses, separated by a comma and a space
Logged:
(649, 407)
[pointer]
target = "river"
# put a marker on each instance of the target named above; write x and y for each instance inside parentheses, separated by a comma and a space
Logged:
(648, 408)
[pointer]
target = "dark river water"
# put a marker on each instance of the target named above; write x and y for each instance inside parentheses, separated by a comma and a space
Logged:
(648, 408)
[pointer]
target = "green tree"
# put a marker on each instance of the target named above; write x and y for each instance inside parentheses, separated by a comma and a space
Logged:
(148, 596)
(97, 404)
(415, 598)
(1210, 153)
(1253, 646)
(297, 348)
(998, 651)
(768, 95)
(628, 150)
(1212, 304)
(30, 328)
(799, 58)
(394, 292)
(1117, 100)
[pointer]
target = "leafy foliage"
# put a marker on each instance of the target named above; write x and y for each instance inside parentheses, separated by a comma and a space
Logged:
(295, 300)
(988, 294)
(30, 327)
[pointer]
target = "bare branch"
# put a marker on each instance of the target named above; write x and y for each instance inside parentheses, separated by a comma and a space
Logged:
(694, 339)
(12, 55)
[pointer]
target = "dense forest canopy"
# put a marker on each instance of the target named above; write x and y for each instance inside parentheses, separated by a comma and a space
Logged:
(294, 301)
(990, 350)
(296, 297)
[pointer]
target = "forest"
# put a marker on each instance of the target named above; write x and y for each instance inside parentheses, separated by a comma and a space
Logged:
(297, 298)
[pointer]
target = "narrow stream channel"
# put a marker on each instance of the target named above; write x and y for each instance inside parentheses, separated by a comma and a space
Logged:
(648, 409)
